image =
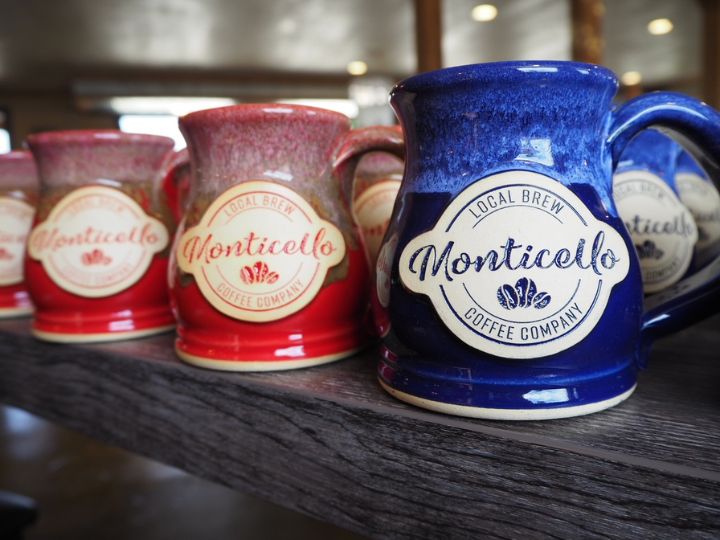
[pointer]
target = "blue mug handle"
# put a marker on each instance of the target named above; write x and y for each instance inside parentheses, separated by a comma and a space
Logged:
(696, 126)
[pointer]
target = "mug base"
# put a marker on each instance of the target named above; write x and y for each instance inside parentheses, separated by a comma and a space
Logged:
(507, 414)
(13, 312)
(260, 365)
(59, 337)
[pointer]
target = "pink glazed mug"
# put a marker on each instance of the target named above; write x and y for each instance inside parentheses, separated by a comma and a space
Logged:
(268, 269)
(97, 256)
(377, 182)
(18, 197)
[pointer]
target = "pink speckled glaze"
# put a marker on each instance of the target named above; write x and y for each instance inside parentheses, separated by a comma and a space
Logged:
(75, 158)
(314, 153)
(380, 163)
(177, 182)
(281, 143)
(18, 171)
(134, 165)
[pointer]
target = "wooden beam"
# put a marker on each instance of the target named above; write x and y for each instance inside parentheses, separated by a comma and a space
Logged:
(428, 34)
(587, 40)
(711, 52)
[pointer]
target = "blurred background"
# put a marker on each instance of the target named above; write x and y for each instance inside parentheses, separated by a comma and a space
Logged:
(139, 64)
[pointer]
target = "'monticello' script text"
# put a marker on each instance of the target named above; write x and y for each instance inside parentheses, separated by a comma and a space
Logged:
(205, 248)
(512, 256)
(54, 239)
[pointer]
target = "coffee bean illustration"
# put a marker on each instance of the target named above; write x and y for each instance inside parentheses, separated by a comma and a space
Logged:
(542, 299)
(526, 290)
(507, 297)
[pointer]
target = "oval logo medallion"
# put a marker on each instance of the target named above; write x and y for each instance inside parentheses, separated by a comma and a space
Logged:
(517, 266)
(662, 229)
(15, 221)
(97, 241)
(260, 252)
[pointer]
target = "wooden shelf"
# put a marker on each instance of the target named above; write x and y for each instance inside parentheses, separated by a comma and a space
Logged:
(329, 442)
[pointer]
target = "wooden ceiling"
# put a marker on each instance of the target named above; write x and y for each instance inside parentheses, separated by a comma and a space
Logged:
(53, 43)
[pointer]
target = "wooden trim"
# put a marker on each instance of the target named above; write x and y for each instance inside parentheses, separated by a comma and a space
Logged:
(587, 27)
(711, 52)
(428, 34)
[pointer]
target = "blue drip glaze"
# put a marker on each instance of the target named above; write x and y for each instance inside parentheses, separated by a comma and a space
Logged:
(465, 123)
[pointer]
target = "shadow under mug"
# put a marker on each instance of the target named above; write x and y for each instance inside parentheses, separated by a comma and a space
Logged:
(268, 269)
(96, 264)
(510, 283)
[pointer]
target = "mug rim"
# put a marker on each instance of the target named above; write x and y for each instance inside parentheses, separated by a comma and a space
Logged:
(96, 136)
(249, 111)
(466, 73)
(17, 155)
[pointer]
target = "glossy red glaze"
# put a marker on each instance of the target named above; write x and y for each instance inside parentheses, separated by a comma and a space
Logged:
(15, 301)
(314, 153)
(144, 306)
(18, 180)
(327, 326)
(74, 159)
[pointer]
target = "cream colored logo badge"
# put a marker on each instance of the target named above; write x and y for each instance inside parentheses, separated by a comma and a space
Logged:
(662, 229)
(260, 252)
(703, 201)
(517, 266)
(372, 209)
(97, 241)
(15, 221)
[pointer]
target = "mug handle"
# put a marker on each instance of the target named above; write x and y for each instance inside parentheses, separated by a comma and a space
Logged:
(696, 126)
(355, 144)
(175, 190)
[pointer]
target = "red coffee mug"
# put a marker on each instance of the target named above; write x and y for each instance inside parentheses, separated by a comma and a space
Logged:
(18, 196)
(268, 268)
(97, 256)
(377, 182)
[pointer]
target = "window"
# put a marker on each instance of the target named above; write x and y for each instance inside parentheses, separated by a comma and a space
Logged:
(4, 133)
(154, 124)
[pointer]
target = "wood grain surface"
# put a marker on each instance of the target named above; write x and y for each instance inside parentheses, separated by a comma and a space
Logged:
(329, 442)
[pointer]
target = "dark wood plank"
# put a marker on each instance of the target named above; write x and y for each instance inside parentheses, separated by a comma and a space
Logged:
(328, 442)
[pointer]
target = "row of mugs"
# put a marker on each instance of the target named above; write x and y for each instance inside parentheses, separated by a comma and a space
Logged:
(268, 270)
(506, 285)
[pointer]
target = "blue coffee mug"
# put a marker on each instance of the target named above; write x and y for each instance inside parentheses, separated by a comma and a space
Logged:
(509, 281)
(701, 197)
(661, 227)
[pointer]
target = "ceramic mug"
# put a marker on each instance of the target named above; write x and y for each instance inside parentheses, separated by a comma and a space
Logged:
(18, 197)
(268, 270)
(377, 181)
(510, 283)
(701, 197)
(662, 229)
(97, 256)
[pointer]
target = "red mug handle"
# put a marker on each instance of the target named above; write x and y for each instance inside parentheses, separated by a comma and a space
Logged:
(176, 185)
(352, 146)
(355, 144)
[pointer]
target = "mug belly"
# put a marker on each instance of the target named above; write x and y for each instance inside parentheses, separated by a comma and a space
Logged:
(332, 326)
